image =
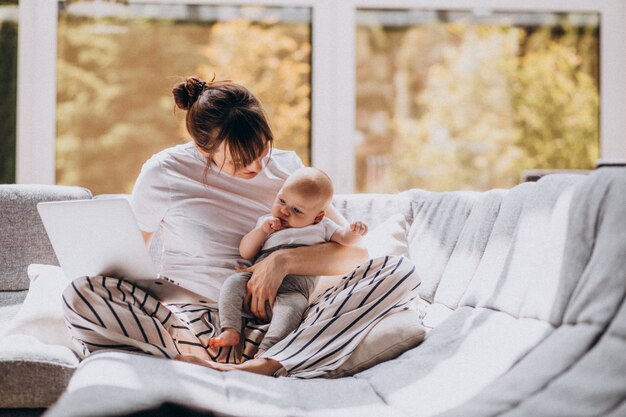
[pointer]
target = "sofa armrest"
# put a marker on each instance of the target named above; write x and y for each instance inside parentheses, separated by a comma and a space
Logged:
(23, 239)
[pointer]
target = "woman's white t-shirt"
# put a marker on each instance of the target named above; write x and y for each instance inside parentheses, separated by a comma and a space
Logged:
(203, 214)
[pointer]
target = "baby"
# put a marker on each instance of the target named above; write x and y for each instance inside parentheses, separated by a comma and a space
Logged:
(297, 219)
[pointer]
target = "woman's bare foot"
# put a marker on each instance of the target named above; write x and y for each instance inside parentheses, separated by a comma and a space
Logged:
(228, 337)
(256, 366)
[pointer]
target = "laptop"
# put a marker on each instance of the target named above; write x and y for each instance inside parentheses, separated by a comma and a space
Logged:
(101, 237)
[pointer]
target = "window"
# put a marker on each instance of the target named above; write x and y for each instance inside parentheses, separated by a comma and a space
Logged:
(344, 103)
(8, 90)
(116, 66)
(470, 99)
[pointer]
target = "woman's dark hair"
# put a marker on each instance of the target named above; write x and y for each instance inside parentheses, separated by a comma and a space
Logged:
(221, 111)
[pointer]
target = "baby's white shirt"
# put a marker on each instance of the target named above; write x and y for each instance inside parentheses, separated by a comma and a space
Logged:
(309, 235)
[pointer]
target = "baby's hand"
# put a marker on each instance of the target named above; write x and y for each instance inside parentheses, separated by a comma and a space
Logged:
(272, 225)
(358, 228)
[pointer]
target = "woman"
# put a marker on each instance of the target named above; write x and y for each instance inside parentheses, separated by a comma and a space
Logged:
(204, 196)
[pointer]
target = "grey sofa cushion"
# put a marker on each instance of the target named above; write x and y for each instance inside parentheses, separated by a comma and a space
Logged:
(116, 383)
(23, 239)
(499, 249)
(10, 303)
(458, 359)
(33, 374)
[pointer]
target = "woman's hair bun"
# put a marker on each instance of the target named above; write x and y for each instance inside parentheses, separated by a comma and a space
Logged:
(187, 92)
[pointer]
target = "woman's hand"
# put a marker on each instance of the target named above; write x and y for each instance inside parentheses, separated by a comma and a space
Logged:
(267, 275)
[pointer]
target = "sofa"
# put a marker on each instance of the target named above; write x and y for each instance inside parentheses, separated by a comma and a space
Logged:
(522, 302)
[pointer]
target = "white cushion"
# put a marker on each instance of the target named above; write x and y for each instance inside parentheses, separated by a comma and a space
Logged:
(390, 337)
(389, 238)
(41, 315)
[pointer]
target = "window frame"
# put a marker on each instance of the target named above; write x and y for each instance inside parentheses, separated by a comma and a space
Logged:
(333, 77)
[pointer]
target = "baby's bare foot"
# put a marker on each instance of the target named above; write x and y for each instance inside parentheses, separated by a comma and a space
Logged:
(259, 353)
(228, 337)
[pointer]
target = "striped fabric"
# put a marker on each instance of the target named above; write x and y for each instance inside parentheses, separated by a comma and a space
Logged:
(110, 313)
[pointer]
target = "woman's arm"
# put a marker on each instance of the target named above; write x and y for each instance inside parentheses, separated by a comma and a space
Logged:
(337, 259)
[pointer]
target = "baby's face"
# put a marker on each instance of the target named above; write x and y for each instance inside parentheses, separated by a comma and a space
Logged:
(294, 209)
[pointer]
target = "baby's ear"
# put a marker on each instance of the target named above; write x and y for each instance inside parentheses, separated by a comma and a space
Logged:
(319, 217)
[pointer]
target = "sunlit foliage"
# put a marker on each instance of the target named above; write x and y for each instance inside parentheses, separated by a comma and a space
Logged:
(441, 106)
(461, 106)
(114, 104)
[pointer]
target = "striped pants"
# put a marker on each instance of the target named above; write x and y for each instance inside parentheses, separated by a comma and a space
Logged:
(110, 313)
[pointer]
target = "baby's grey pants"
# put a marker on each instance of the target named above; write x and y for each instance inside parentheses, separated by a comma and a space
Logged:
(291, 302)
